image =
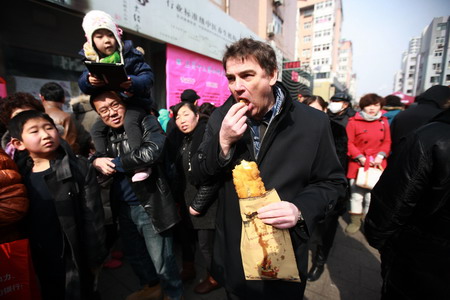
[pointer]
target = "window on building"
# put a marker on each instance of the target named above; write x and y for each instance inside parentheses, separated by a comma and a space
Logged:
(438, 53)
(447, 78)
(328, 3)
(434, 79)
(440, 40)
(277, 24)
(327, 32)
(441, 26)
(410, 75)
(326, 47)
(319, 5)
(409, 91)
(324, 61)
(322, 75)
(411, 67)
(307, 25)
(437, 66)
(308, 12)
(306, 52)
(316, 48)
(323, 19)
(307, 38)
(318, 34)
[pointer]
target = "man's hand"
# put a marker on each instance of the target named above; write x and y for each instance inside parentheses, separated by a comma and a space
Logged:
(95, 81)
(193, 211)
(233, 126)
(104, 165)
(281, 214)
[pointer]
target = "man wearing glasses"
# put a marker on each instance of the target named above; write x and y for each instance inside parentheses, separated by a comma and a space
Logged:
(146, 210)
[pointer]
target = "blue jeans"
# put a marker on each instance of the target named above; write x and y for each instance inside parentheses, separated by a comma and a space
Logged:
(150, 254)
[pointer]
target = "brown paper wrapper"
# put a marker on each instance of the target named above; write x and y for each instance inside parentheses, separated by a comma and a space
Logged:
(266, 251)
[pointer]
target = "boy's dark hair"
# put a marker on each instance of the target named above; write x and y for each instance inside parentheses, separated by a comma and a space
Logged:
(15, 101)
(51, 91)
(246, 48)
(16, 124)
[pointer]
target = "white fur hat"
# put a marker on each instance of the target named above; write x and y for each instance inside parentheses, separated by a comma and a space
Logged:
(97, 19)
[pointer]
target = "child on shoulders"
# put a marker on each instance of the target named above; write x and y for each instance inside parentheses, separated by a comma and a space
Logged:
(104, 44)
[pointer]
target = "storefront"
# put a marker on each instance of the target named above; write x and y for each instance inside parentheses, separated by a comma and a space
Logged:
(40, 41)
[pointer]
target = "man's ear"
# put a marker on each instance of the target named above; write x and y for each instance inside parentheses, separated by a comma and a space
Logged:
(18, 144)
(273, 78)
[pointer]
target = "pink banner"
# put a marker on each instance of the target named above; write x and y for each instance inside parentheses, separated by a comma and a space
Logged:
(189, 70)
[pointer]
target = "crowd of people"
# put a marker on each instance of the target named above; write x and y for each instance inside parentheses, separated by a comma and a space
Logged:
(166, 178)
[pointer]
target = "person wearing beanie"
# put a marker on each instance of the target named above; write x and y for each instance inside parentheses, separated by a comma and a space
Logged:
(429, 104)
(392, 107)
(104, 44)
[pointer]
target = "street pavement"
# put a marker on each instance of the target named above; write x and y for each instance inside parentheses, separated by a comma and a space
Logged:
(352, 273)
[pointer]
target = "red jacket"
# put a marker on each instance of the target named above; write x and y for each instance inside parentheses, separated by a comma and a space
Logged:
(13, 199)
(367, 138)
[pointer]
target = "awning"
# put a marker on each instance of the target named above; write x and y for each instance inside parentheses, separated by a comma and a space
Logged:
(405, 99)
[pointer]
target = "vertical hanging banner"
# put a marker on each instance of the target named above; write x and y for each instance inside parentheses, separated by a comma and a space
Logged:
(189, 70)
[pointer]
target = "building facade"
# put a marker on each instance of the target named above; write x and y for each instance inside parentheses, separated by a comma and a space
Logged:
(319, 33)
(345, 66)
(427, 61)
(178, 37)
(434, 65)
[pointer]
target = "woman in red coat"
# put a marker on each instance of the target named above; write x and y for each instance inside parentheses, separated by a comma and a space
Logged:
(369, 143)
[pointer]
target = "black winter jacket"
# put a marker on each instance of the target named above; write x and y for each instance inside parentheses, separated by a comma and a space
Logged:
(153, 193)
(298, 159)
(202, 198)
(73, 185)
(409, 215)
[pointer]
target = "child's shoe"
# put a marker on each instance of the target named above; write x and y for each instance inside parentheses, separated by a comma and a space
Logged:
(141, 175)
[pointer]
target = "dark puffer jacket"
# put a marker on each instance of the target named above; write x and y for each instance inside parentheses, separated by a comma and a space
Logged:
(73, 185)
(137, 69)
(409, 215)
(192, 193)
(153, 193)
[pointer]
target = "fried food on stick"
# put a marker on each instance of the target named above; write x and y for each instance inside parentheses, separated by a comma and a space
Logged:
(247, 181)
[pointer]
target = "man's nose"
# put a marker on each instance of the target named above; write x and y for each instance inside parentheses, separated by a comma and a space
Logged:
(239, 84)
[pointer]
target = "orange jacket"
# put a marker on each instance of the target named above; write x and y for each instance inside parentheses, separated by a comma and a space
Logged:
(13, 199)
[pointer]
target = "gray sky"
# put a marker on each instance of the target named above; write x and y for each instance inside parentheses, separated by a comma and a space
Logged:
(380, 31)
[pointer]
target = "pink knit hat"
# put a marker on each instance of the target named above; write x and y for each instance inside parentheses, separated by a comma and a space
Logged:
(97, 19)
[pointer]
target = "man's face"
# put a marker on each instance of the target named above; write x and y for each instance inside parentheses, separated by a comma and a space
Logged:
(110, 109)
(248, 82)
(40, 137)
(105, 41)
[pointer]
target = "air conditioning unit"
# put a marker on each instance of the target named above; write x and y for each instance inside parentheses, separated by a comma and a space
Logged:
(270, 29)
(278, 2)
